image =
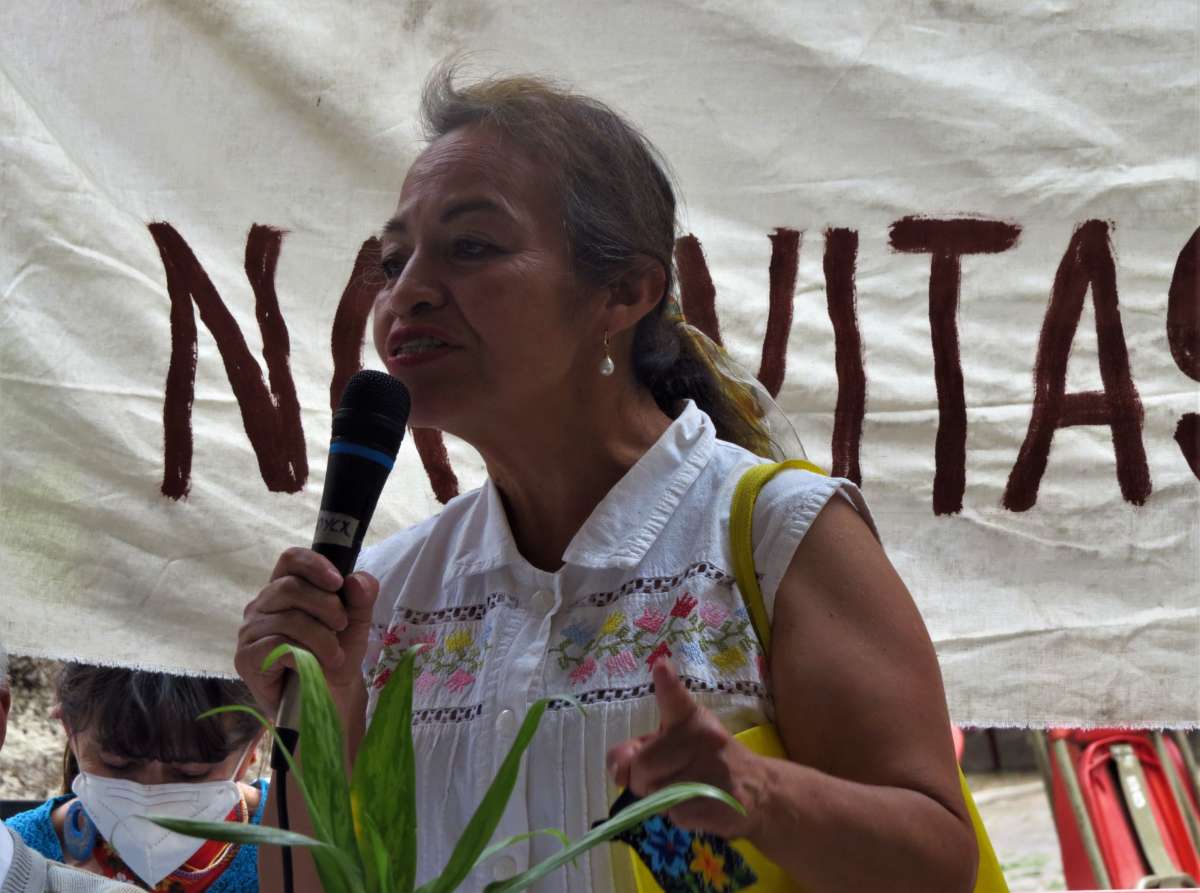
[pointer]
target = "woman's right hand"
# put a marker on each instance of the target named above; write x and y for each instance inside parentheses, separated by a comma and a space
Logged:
(300, 606)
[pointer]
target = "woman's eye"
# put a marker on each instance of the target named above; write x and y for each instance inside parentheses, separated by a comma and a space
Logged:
(193, 772)
(472, 248)
(392, 266)
(192, 776)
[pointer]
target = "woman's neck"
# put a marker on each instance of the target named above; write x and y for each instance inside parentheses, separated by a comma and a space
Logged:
(555, 465)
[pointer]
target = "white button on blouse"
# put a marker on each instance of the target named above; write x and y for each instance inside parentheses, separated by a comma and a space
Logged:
(647, 576)
(506, 723)
(543, 601)
(506, 867)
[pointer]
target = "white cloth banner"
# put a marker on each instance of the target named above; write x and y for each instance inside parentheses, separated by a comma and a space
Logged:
(937, 168)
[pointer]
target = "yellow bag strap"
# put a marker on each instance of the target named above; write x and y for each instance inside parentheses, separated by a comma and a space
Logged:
(741, 518)
(990, 877)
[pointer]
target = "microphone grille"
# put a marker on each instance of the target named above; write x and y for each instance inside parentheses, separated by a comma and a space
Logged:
(374, 391)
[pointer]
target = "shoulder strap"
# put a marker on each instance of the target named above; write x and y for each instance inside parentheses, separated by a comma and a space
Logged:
(741, 518)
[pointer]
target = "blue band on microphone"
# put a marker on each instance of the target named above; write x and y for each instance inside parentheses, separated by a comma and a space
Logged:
(363, 452)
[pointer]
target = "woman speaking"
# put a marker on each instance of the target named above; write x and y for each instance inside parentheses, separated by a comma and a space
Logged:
(526, 304)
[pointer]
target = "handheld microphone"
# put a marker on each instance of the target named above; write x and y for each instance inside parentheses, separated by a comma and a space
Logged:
(367, 429)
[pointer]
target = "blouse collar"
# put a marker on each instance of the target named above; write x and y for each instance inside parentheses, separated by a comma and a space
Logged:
(623, 525)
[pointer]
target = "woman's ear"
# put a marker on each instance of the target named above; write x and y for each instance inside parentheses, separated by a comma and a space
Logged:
(635, 293)
(253, 755)
(70, 767)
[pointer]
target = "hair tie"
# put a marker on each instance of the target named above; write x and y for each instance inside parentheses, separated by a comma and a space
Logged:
(747, 393)
(673, 310)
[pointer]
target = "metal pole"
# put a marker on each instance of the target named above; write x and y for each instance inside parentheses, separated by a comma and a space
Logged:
(1086, 832)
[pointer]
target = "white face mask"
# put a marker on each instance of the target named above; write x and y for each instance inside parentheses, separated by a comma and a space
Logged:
(116, 807)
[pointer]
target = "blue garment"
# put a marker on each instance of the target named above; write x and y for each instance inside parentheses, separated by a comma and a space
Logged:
(37, 830)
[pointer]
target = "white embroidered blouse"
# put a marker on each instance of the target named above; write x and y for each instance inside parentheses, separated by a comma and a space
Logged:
(649, 574)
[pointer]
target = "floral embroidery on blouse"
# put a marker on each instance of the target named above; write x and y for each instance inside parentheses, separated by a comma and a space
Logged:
(701, 633)
(452, 662)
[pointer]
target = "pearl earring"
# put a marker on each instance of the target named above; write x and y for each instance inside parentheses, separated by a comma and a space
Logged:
(607, 367)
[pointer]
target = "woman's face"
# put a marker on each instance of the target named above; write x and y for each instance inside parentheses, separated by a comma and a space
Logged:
(481, 315)
(94, 759)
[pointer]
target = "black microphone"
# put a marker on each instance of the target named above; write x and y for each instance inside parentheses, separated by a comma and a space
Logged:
(367, 429)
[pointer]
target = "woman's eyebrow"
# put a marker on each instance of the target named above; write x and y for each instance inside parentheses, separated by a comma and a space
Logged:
(397, 225)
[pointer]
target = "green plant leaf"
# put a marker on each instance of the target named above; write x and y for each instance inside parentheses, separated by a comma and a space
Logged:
(235, 832)
(502, 845)
(383, 786)
(635, 813)
(326, 788)
(380, 860)
(327, 859)
(487, 815)
(270, 727)
(261, 835)
(350, 880)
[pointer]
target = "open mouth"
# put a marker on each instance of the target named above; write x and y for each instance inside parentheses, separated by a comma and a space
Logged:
(417, 346)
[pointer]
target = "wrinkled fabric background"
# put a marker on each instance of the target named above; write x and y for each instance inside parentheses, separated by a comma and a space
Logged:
(215, 116)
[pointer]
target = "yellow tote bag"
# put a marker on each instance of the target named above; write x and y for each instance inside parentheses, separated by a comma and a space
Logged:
(763, 739)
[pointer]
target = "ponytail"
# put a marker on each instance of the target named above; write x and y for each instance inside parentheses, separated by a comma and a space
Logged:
(675, 364)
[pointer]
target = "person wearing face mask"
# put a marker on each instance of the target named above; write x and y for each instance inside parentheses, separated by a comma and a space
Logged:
(135, 748)
(24, 870)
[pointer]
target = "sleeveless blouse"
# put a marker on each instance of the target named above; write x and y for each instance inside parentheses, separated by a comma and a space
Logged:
(648, 575)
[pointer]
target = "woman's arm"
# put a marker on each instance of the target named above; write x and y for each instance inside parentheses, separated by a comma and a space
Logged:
(869, 795)
(301, 606)
(871, 791)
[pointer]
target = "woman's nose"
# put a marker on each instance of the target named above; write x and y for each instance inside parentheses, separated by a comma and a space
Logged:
(415, 291)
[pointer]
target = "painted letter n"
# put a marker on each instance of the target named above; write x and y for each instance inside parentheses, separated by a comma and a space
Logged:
(270, 415)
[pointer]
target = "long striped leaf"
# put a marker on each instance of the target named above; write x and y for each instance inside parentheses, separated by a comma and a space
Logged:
(378, 852)
(501, 845)
(383, 787)
(635, 813)
(259, 835)
(326, 788)
(235, 832)
(487, 815)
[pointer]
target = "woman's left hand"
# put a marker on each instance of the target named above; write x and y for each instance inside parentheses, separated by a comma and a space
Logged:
(692, 745)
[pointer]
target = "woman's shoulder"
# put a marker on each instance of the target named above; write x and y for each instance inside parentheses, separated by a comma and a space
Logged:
(784, 511)
(36, 827)
(796, 491)
(795, 496)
